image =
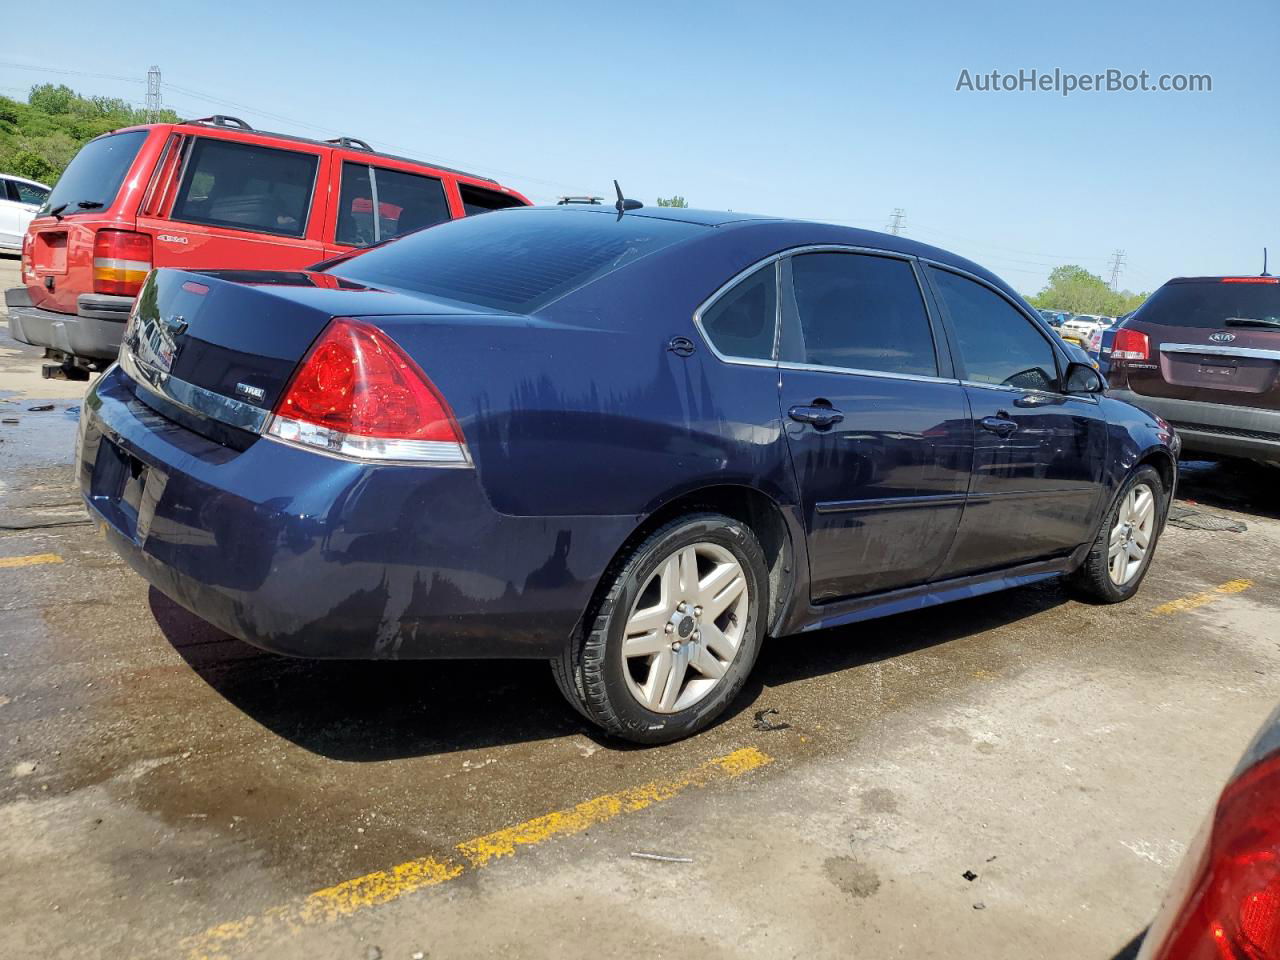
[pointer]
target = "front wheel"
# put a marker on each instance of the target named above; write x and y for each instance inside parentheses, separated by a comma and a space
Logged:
(676, 633)
(1121, 555)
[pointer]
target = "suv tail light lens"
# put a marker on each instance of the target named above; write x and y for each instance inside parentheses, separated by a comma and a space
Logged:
(357, 394)
(1130, 345)
(1251, 279)
(1232, 907)
(121, 261)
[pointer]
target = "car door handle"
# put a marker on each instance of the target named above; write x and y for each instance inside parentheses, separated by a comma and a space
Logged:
(819, 416)
(1002, 427)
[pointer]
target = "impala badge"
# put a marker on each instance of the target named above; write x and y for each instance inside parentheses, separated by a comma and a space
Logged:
(250, 392)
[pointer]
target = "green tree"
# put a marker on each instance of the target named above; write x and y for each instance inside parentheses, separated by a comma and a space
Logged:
(676, 201)
(38, 138)
(1073, 288)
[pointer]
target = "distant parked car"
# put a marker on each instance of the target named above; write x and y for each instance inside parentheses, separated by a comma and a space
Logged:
(1204, 353)
(1224, 903)
(1080, 327)
(20, 198)
(1052, 317)
(209, 193)
(631, 443)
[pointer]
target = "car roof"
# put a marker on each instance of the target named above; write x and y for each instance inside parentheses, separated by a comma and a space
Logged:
(34, 183)
(793, 232)
(1229, 276)
(272, 135)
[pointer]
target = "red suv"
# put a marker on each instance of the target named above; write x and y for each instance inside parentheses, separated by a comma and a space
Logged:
(1204, 353)
(210, 193)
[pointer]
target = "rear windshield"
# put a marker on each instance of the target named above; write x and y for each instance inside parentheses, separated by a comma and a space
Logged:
(1213, 303)
(513, 260)
(94, 175)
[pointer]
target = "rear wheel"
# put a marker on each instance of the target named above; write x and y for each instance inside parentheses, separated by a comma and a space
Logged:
(674, 636)
(1121, 556)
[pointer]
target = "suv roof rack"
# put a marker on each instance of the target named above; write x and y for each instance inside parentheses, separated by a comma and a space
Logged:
(352, 142)
(583, 199)
(221, 120)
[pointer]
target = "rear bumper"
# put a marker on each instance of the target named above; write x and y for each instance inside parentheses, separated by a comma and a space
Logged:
(1215, 428)
(313, 556)
(93, 332)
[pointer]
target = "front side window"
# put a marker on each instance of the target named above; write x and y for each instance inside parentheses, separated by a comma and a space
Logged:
(247, 187)
(998, 345)
(742, 322)
(860, 312)
(403, 202)
(480, 200)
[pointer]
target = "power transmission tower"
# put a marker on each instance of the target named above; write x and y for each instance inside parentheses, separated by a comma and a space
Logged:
(1117, 263)
(895, 221)
(153, 94)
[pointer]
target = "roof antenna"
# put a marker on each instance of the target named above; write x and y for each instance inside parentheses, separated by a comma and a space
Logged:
(624, 204)
(1264, 262)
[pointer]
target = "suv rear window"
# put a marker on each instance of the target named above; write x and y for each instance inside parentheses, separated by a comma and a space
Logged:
(480, 200)
(518, 261)
(246, 187)
(1212, 303)
(94, 176)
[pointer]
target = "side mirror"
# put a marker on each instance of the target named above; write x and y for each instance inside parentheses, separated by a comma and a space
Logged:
(1082, 378)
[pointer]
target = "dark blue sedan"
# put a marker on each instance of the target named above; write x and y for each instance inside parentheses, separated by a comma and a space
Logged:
(632, 443)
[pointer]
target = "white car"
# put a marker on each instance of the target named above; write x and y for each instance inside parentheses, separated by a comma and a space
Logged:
(1081, 327)
(20, 198)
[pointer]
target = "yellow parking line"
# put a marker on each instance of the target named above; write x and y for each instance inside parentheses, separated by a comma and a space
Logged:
(383, 886)
(30, 561)
(1200, 599)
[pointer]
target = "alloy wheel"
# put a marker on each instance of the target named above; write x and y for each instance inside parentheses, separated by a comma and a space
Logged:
(1131, 535)
(685, 628)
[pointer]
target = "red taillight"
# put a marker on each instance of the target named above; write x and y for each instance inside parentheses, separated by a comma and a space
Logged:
(1232, 907)
(1130, 345)
(1251, 279)
(358, 394)
(121, 261)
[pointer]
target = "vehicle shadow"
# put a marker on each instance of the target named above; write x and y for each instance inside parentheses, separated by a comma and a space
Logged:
(381, 710)
(1239, 485)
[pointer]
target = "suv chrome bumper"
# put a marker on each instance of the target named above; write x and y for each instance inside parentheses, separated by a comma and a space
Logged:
(1216, 428)
(93, 332)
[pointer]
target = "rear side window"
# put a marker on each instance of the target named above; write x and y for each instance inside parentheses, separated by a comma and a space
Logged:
(480, 200)
(28, 192)
(742, 322)
(246, 187)
(93, 178)
(403, 202)
(997, 343)
(517, 260)
(1215, 303)
(861, 312)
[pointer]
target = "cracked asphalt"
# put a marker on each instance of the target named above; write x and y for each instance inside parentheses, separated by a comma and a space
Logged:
(166, 791)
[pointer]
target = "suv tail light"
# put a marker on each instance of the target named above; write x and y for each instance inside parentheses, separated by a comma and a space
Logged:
(1130, 345)
(121, 261)
(357, 394)
(1232, 907)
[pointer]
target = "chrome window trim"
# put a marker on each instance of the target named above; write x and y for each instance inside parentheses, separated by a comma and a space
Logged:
(1255, 353)
(192, 398)
(859, 372)
(1032, 391)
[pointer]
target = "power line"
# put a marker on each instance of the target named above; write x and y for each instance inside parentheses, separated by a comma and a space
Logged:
(895, 221)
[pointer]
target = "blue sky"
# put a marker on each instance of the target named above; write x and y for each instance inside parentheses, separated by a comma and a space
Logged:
(831, 111)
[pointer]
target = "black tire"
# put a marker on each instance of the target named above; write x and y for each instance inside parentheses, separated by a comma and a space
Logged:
(591, 673)
(1092, 581)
